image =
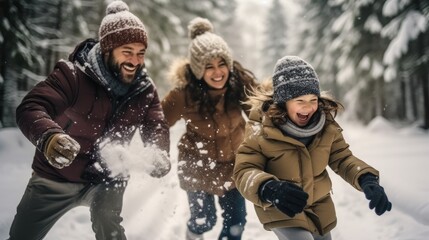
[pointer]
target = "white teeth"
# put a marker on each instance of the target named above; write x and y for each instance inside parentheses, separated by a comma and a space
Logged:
(129, 68)
(302, 116)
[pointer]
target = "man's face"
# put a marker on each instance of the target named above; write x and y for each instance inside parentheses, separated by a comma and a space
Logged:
(126, 61)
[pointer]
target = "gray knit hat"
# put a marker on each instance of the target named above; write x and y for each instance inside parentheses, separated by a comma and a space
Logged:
(120, 27)
(205, 45)
(294, 77)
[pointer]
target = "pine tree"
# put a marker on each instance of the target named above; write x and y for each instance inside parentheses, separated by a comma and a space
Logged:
(407, 56)
(275, 44)
(15, 45)
(35, 34)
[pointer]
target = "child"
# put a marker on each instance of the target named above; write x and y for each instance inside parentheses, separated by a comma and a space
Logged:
(210, 87)
(290, 139)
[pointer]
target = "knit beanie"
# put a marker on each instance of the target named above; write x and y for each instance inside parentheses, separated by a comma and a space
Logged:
(294, 77)
(120, 27)
(205, 46)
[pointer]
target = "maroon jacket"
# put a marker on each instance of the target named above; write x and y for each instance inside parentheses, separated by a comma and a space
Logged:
(74, 100)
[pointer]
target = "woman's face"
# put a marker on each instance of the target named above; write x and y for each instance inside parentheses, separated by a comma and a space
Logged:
(302, 108)
(216, 73)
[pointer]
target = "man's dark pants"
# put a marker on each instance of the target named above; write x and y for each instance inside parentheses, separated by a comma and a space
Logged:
(46, 201)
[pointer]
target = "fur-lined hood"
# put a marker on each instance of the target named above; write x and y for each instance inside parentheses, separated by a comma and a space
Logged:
(177, 73)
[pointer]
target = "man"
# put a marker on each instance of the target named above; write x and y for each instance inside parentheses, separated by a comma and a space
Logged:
(101, 94)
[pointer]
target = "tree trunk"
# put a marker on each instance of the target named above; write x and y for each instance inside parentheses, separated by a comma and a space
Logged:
(402, 113)
(5, 58)
(10, 99)
(379, 97)
(413, 97)
(424, 78)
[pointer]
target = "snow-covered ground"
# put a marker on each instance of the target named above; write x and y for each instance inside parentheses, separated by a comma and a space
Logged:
(157, 209)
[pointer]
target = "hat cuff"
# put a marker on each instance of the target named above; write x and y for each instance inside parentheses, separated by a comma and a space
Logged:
(198, 69)
(119, 38)
(286, 92)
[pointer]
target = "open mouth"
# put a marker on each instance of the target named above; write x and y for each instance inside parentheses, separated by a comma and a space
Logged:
(129, 67)
(303, 117)
(218, 79)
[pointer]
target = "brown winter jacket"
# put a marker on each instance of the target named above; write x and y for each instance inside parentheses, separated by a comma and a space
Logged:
(207, 148)
(74, 100)
(268, 154)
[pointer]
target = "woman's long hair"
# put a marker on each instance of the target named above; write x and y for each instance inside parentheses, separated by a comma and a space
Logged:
(240, 81)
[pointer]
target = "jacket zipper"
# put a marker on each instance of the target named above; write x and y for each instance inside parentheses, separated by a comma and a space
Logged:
(301, 174)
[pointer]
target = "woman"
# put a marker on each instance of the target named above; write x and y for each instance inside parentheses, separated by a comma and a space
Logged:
(210, 87)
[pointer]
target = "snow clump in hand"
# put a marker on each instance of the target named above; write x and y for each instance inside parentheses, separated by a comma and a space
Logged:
(135, 158)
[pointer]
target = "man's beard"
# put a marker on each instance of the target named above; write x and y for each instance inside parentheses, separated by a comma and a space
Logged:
(115, 69)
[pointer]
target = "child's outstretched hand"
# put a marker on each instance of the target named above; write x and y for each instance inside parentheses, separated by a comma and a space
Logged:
(286, 197)
(375, 193)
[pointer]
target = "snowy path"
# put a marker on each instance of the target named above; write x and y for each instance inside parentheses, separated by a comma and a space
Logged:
(157, 208)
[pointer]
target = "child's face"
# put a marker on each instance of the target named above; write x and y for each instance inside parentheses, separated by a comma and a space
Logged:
(216, 73)
(302, 108)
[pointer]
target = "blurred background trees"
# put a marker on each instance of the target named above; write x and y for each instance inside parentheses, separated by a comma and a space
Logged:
(372, 55)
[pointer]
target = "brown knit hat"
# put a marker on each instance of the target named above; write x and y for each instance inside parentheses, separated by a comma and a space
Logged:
(205, 46)
(120, 27)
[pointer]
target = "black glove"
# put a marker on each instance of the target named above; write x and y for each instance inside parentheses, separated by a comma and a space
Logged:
(97, 172)
(374, 193)
(286, 197)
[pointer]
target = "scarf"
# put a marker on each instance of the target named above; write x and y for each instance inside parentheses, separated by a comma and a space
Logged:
(114, 85)
(304, 134)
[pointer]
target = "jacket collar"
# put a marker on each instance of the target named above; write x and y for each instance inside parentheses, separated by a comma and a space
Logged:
(80, 58)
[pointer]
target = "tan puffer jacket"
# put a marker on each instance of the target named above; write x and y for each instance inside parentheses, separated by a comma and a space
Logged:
(268, 154)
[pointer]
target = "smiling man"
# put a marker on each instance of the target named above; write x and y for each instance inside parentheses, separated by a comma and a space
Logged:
(126, 60)
(100, 95)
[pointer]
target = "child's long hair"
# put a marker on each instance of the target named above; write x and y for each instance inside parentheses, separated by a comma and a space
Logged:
(261, 98)
(239, 83)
